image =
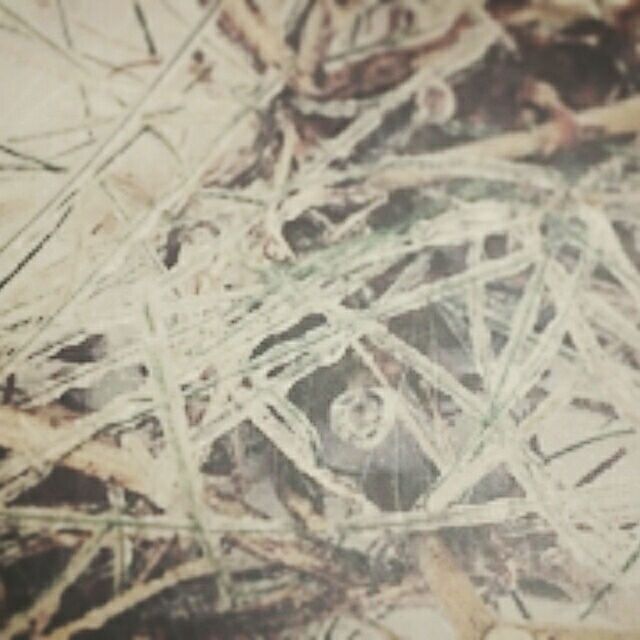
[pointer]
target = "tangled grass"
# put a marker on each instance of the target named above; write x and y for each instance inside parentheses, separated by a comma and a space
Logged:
(273, 365)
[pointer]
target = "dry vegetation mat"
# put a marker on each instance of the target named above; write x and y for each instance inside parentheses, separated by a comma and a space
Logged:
(320, 319)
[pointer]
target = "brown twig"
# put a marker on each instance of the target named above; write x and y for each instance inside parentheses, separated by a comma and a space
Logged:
(243, 21)
(25, 433)
(622, 118)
